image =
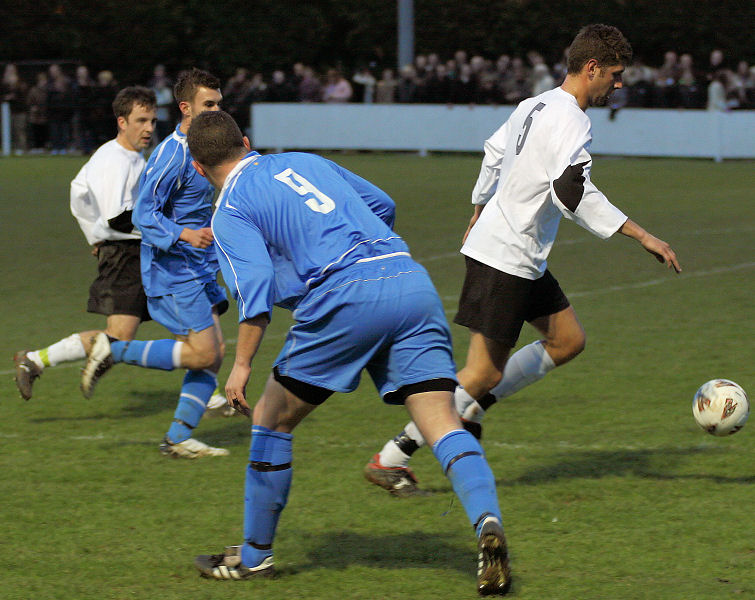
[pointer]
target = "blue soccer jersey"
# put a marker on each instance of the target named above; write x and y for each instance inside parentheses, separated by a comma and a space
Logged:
(286, 222)
(172, 196)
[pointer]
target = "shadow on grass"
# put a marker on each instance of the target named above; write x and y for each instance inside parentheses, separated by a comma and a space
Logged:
(650, 464)
(415, 549)
(658, 464)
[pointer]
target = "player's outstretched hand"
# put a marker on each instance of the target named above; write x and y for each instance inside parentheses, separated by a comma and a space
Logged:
(662, 252)
(235, 388)
(199, 238)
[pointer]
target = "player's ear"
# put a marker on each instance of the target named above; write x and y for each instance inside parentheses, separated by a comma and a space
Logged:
(122, 122)
(591, 68)
(185, 108)
(247, 143)
(199, 168)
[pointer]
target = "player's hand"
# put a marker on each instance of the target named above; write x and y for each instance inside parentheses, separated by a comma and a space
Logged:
(96, 250)
(662, 252)
(235, 388)
(198, 238)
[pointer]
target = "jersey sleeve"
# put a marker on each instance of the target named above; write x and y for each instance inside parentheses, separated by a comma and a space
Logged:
(376, 199)
(490, 171)
(161, 178)
(245, 262)
(573, 192)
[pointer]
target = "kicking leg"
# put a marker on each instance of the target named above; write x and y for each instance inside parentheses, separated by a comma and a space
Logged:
(30, 365)
(564, 339)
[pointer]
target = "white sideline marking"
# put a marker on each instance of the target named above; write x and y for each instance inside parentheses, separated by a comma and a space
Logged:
(596, 292)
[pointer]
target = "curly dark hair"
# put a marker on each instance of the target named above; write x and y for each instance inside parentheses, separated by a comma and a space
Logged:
(604, 43)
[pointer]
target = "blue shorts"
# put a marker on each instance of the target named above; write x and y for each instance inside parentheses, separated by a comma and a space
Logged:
(384, 316)
(190, 308)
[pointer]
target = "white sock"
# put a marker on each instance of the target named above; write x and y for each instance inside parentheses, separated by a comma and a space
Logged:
(66, 350)
(526, 366)
(462, 399)
(392, 456)
(177, 354)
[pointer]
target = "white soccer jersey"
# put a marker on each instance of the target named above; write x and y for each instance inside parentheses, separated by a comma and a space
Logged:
(105, 187)
(536, 169)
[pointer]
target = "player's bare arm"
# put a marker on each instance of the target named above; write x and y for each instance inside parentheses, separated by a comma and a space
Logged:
(198, 238)
(250, 336)
(658, 248)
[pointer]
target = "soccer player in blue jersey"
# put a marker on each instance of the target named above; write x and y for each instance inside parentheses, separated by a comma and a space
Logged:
(298, 231)
(179, 273)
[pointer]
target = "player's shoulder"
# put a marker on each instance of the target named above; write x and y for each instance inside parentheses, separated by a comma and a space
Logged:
(561, 115)
(170, 154)
(112, 156)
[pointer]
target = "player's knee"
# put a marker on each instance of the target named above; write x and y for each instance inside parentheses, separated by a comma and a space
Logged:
(570, 347)
(204, 358)
(478, 381)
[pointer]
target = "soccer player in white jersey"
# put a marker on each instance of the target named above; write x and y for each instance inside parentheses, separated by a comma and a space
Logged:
(102, 198)
(536, 170)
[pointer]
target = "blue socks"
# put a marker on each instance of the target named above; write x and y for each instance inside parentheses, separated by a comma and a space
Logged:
(153, 354)
(197, 388)
(463, 462)
(268, 480)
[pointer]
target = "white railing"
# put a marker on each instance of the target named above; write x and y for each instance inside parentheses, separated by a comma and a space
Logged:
(426, 127)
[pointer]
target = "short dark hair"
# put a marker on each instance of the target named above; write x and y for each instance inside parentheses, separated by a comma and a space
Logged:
(214, 138)
(188, 81)
(128, 97)
(604, 43)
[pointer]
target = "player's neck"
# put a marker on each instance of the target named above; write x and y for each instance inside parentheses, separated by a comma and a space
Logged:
(185, 124)
(574, 85)
(123, 141)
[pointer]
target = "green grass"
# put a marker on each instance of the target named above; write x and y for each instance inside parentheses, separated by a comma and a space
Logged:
(609, 490)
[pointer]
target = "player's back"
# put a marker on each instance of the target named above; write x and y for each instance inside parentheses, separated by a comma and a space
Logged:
(312, 220)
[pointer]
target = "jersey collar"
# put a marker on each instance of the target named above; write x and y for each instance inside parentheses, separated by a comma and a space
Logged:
(230, 180)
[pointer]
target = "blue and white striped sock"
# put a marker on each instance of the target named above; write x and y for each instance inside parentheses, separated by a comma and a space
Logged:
(152, 354)
(195, 394)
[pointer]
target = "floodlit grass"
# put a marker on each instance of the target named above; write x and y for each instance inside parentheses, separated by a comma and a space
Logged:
(609, 490)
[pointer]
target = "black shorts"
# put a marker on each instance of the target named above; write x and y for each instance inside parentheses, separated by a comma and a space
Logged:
(118, 288)
(497, 304)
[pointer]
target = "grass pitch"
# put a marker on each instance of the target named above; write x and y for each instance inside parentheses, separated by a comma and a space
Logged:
(609, 489)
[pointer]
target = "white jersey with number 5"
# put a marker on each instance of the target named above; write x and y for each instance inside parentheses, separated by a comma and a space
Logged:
(537, 169)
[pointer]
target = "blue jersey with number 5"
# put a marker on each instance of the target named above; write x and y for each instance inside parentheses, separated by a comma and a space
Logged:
(285, 222)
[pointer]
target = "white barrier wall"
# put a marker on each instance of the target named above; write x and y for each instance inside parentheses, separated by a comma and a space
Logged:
(425, 127)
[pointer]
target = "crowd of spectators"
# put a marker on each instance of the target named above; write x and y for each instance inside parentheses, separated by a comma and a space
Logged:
(60, 113)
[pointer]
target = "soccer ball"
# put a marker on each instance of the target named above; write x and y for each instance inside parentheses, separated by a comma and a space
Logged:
(721, 407)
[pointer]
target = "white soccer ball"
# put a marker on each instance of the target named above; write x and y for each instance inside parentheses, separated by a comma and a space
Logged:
(721, 407)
